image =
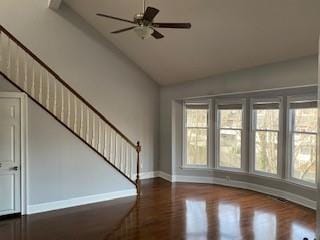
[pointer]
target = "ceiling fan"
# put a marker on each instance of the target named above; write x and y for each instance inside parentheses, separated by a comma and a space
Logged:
(144, 24)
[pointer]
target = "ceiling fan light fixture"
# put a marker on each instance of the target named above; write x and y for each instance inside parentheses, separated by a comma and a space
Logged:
(143, 32)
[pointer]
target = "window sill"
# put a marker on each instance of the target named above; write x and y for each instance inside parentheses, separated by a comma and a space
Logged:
(301, 183)
(232, 170)
(266, 175)
(196, 168)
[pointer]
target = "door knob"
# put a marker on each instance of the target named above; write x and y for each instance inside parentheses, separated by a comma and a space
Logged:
(15, 168)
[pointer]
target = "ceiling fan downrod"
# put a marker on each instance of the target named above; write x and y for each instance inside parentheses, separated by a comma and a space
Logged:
(143, 6)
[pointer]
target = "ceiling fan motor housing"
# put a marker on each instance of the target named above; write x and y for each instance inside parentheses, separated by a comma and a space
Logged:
(138, 18)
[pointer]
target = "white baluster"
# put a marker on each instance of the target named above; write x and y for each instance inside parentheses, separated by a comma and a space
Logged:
(33, 81)
(88, 124)
(48, 91)
(17, 79)
(110, 146)
(81, 120)
(9, 59)
(115, 155)
(121, 155)
(55, 98)
(62, 103)
(40, 85)
(25, 83)
(69, 108)
(93, 142)
(125, 158)
(75, 125)
(99, 136)
(105, 142)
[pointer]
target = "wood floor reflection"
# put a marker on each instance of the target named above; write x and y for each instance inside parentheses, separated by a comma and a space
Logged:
(171, 211)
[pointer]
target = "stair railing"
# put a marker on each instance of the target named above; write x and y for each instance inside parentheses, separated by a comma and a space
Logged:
(44, 86)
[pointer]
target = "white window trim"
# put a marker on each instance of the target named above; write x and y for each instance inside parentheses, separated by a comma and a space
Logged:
(252, 138)
(184, 137)
(289, 138)
(216, 148)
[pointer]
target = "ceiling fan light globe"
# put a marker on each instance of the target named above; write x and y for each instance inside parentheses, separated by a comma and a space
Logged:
(143, 32)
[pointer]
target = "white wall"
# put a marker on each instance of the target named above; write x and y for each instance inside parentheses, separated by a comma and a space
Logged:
(92, 66)
(292, 73)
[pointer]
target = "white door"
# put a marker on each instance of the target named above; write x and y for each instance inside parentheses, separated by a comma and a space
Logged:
(10, 155)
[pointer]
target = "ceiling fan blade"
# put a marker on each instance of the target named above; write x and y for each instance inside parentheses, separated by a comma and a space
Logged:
(123, 30)
(156, 34)
(150, 14)
(115, 18)
(172, 25)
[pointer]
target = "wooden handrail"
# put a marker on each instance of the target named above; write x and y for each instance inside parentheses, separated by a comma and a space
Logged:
(36, 58)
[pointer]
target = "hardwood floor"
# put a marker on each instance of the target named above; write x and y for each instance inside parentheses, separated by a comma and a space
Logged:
(171, 211)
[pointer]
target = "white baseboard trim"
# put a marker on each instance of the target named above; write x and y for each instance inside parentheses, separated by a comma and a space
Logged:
(148, 175)
(166, 176)
(73, 202)
(244, 185)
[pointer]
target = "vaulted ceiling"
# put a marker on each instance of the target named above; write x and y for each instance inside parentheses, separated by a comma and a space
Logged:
(226, 35)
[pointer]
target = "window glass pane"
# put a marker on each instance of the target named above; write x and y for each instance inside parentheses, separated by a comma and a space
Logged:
(230, 148)
(266, 151)
(230, 118)
(197, 117)
(304, 157)
(305, 119)
(197, 146)
(267, 119)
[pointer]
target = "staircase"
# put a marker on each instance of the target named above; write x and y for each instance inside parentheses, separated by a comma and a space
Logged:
(30, 75)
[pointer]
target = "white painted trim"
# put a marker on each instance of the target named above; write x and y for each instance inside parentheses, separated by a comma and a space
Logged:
(23, 144)
(248, 92)
(73, 202)
(217, 129)
(148, 175)
(252, 136)
(244, 185)
(205, 102)
(166, 176)
(54, 4)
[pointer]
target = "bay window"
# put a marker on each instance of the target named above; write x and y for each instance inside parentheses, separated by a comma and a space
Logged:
(229, 134)
(266, 126)
(302, 138)
(196, 129)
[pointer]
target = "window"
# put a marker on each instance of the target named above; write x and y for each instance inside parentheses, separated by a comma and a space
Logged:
(196, 134)
(265, 135)
(303, 116)
(229, 131)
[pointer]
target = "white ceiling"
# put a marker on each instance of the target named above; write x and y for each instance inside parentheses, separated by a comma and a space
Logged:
(226, 35)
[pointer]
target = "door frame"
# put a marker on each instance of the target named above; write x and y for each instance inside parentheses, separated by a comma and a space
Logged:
(24, 145)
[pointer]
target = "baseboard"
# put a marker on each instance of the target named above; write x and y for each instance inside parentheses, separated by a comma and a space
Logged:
(166, 176)
(244, 185)
(73, 202)
(148, 175)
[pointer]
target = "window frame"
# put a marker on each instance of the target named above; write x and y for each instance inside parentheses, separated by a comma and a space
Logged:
(184, 133)
(289, 138)
(226, 101)
(252, 133)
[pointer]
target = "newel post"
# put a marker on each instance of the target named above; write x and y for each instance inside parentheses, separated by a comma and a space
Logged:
(138, 149)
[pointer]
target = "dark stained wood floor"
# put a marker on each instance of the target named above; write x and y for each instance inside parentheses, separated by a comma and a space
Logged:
(171, 211)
